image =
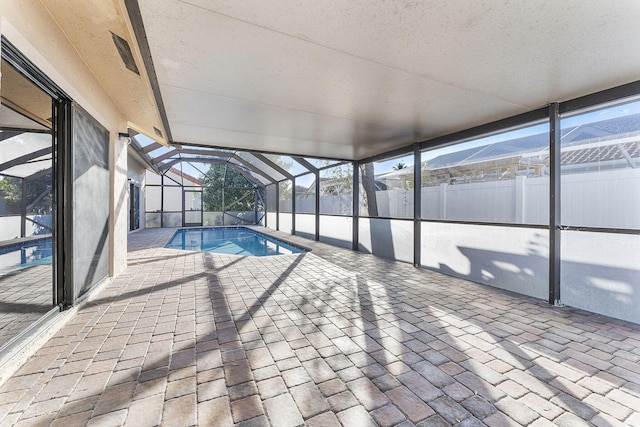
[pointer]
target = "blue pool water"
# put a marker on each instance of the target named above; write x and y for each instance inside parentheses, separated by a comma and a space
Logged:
(26, 254)
(231, 241)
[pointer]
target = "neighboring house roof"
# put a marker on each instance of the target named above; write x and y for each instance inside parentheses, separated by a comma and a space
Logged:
(614, 151)
(185, 176)
(600, 140)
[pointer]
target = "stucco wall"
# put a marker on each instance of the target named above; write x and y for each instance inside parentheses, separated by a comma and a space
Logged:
(28, 26)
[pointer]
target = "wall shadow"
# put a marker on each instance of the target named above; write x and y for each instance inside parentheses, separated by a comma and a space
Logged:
(607, 290)
(526, 274)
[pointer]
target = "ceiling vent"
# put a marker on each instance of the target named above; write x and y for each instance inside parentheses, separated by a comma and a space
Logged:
(125, 53)
(158, 131)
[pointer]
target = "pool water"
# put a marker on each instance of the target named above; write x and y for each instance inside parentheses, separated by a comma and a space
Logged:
(230, 241)
(26, 254)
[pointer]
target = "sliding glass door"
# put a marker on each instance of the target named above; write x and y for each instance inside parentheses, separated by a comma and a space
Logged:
(27, 242)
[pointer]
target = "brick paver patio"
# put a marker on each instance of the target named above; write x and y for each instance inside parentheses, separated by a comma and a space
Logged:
(26, 293)
(331, 337)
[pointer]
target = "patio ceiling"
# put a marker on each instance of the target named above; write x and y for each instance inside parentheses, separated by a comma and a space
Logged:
(344, 80)
(354, 79)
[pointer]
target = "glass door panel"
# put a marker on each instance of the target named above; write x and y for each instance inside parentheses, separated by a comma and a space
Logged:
(26, 204)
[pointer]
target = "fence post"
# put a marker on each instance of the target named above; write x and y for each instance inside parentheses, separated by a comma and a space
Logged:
(520, 199)
(443, 200)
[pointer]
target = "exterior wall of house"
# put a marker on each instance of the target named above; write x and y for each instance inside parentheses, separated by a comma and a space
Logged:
(29, 27)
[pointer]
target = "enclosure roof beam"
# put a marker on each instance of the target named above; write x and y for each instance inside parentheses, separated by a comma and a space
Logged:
(25, 158)
(149, 148)
(165, 156)
(167, 165)
(24, 130)
(305, 163)
(255, 169)
(247, 176)
(271, 164)
(6, 134)
(143, 153)
(201, 152)
(38, 174)
(212, 160)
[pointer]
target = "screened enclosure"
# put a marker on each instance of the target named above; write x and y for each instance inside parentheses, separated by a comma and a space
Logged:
(523, 204)
(200, 187)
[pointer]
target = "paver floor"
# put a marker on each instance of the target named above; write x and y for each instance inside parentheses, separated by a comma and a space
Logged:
(25, 295)
(331, 337)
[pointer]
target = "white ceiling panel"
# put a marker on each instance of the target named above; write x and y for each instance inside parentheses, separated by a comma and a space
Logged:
(220, 112)
(495, 47)
(354, 79)
(201, 135)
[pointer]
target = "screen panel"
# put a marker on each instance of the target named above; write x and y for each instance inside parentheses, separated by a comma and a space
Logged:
(502, 178)
(90, 201)
(600, 167)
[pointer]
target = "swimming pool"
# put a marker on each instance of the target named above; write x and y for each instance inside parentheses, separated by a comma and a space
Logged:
(26, 253)
(230, 241)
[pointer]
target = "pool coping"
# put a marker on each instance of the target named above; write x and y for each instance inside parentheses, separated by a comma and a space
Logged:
(21, 241)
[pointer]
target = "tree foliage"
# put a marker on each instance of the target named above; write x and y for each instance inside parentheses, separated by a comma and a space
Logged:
(38, 195)
(400, 165)
(226, 189)
(337, 180)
